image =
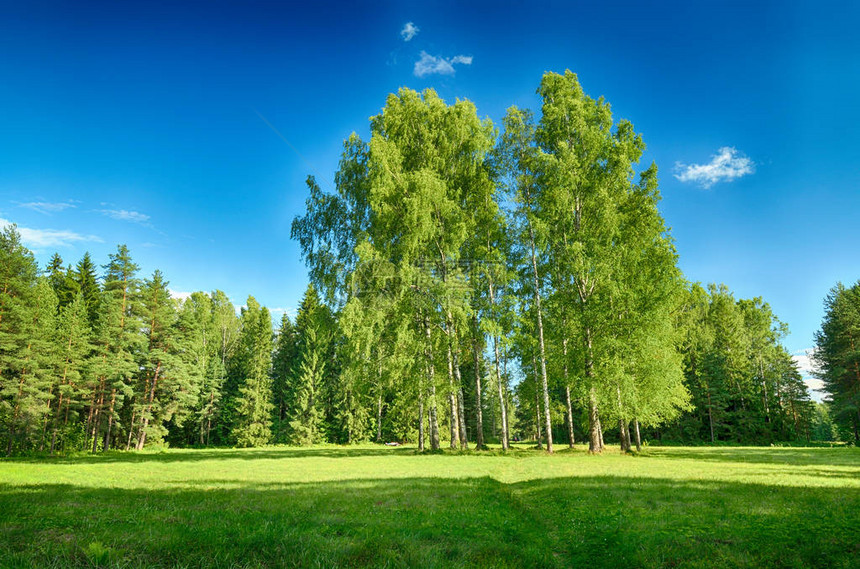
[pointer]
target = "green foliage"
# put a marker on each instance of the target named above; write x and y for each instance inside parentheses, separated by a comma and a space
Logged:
(744, 384)
(253, 420)
(823, 428)
(837, 354)
(307, 389)
(465, 284)
(73, 342)
(167, 387)
(84, 279)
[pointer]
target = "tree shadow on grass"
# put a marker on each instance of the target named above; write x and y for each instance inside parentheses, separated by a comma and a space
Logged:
(195, 455)
(262, 453)
(764, 455)
(432, 522)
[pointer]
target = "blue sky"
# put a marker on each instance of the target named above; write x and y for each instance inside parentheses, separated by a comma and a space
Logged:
(139, 124)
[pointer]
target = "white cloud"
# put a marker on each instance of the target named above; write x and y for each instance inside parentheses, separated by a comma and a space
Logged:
(430, 64)
(724, 166)
(179, 295)
(803, 359)
(125, 215)
(42, 238)
(47, 207)
(409, 31)
(806, 366)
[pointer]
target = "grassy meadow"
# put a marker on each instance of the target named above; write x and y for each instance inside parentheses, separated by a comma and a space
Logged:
(374, 506)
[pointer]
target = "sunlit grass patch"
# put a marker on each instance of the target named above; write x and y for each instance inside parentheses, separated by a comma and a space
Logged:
(373, 506)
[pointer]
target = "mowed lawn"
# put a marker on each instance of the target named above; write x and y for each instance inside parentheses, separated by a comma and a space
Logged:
(381, 507)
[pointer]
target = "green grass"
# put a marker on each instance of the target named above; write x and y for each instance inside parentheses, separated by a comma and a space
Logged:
(375, 506)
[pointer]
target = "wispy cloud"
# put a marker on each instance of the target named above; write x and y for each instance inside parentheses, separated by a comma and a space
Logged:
(47, 207)
(726, 165)
(409, 31)
(125, 215)
(43, 238)
(291, 312)
(432, 64)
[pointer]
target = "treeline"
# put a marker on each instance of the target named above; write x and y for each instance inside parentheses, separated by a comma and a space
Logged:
(468, 286)
(837, 355)
(96, 360)
(744, 384)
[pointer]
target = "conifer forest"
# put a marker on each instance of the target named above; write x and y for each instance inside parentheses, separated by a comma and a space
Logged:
(471, 284)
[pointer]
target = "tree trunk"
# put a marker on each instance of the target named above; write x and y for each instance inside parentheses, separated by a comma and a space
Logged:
(110, 419)
(545, 383)
(502, 406)
(145, 423)
(623, 425)
(60, 399)
(479, 418)
(638, 438)
(434, 424)
(57, 419)
(452, 398)
(203, 429)
(710, 412)
(763, 390)
(91, 411)
(595, 442)
(461, 409)
(131, 431)
(452, 418)
(856, 429)
(458, 397)
(537, 410)
(421, 422)
(379, 417)
(570, 438)
(595, 436)
(96, 416)
(434, 420)
(66, 421)
(494, 420)
(53, 440)
(624, 430)
(95, 433)
(503, 412)
(600, 433)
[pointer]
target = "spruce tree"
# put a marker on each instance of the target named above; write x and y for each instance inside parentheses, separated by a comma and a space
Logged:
(85, 280)
(285, 364)
(119, 340)
(163, 386)
(18, 272)
(73, 348)
(837, 354)
(215, 392)
(31, 392)
(253, 405)
(196, 341)
(306, 413)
